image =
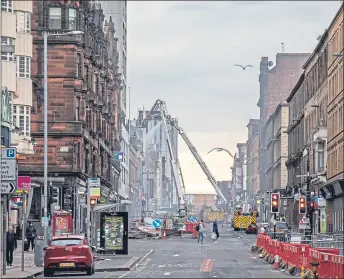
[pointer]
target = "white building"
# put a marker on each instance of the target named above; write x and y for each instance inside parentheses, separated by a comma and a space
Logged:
(117, 10)
(16, 54)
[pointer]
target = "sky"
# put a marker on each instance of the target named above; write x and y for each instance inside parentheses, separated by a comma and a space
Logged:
(184, 53)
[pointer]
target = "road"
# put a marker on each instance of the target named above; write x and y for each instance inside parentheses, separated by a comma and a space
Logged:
(183, 257)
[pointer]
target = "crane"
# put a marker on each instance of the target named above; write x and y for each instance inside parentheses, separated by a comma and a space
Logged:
(166, 119)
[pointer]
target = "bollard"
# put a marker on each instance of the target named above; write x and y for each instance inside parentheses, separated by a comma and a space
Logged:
(39, 253)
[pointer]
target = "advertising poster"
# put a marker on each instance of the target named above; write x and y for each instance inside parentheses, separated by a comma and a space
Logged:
(113, 232)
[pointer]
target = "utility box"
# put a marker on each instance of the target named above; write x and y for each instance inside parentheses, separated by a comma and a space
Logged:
(39, 252)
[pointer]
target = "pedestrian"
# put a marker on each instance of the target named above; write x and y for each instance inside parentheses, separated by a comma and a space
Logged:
(11, 245)
(215, 230)
(31, 235)
(201, 230)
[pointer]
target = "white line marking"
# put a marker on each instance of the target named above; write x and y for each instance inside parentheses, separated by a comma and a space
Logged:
(139, 262)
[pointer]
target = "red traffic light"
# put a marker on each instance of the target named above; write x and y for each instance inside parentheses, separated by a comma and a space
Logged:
(93, 202)
(275, 196)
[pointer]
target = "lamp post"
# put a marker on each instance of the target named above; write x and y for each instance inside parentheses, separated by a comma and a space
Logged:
(45, 59)
(219, 149)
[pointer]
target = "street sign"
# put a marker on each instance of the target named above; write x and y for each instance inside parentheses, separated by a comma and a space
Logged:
(95, 193)
(94, 182)
(192, 219)
(7, 187)
(118, 156)
(8, 170)
(156, 223)
(24, 183)
(8, 153)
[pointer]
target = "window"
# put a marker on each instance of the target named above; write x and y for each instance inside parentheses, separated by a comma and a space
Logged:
(321, 157)
(72, 19)
(66, 242)
(77, 112)
(55, 18)
(23, 22)
(7, 6)
(23, 66)
(78, 65)
(7, 56)
(21, 118)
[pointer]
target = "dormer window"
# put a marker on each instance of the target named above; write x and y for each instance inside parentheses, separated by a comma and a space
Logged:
(55, 18)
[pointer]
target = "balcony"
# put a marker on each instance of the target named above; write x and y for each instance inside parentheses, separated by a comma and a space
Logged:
(23, 143)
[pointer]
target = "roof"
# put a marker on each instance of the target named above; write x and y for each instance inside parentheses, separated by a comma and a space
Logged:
(199, 189)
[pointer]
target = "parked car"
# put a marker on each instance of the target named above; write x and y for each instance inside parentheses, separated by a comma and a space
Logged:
(68, 253)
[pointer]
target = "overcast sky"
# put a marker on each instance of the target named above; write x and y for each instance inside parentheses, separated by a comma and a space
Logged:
(184, 53)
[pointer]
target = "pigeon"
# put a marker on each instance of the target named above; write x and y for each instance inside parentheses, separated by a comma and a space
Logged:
(244, 68)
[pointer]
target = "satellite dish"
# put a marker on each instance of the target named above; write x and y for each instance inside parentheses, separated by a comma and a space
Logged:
(270, 64)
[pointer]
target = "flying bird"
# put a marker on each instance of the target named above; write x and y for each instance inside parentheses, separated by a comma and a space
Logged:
(244, 68)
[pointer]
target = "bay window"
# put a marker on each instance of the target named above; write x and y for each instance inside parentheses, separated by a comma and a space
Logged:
(7, 56)
(72, 19)
(55, 18)
(21, 118)
(23, 22)
(23, 66)
(7, 6)
(321, 157)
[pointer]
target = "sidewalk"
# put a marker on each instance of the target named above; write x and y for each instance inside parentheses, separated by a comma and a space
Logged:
(120, 262)
(30, 270)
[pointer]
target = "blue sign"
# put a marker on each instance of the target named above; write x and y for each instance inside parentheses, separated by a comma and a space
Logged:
(192, 219)
(156, 223)
(8, 153)
(118, 156)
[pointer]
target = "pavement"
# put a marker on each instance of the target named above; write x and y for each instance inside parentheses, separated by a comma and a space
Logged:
(15, 271)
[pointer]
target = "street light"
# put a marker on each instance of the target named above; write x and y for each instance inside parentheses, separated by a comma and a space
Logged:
(45, 36)
(338, 54)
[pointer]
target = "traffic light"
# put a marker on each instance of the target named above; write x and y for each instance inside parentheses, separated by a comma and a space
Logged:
(55, 197)
(311, 207)
(93, 202)
(275, 198)
(302, 205)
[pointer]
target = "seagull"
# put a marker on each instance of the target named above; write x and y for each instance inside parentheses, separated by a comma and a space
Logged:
(244, 68)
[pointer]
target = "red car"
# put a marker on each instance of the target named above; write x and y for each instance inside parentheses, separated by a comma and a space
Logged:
(68, 253)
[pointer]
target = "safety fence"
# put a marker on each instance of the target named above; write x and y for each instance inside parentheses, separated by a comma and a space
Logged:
(301, 259)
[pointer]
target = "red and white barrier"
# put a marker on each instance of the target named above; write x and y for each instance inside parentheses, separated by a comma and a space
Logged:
(296, 257)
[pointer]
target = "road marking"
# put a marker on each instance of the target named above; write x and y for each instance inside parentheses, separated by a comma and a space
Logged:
(207, 265)
(140, 261)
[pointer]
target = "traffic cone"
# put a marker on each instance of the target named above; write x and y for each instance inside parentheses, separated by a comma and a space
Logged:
(277, 262)
(163, 234)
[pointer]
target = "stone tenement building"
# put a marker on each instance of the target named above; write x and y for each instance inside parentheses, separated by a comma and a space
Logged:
(316, 127)
(83, 86)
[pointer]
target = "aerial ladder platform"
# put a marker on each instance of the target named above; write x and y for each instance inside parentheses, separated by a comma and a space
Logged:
(160, 108)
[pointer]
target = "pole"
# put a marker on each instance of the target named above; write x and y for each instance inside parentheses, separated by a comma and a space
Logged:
(88, 214)
(308, 195)
(4, 226)
(45, 206)
(23, 231)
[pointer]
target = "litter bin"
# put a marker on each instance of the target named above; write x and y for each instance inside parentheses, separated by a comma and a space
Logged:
(39, 252)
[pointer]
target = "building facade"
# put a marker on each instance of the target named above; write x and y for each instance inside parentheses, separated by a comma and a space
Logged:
(276, 84)
(16, 55)
(82, 89)
(117, 10)
(334, 190)
(307, 119)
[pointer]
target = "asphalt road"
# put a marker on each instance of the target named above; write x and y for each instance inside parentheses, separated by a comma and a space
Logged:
(183, 257)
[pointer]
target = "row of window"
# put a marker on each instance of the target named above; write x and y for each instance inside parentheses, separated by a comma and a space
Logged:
(56, 16)
(335, 160)
(23, 64)
(336, 83)
(335, 121)
(21, 118)
(23, 19)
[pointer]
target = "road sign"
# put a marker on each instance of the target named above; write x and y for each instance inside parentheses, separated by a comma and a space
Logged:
(95, 193)
(8, 153)
(118, 156)
(156, 223)
(8, 170)
(192, 219)
(7, 187)
(24, 183)
(94, 182)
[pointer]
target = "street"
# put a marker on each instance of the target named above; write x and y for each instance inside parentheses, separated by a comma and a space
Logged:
(183, 257)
